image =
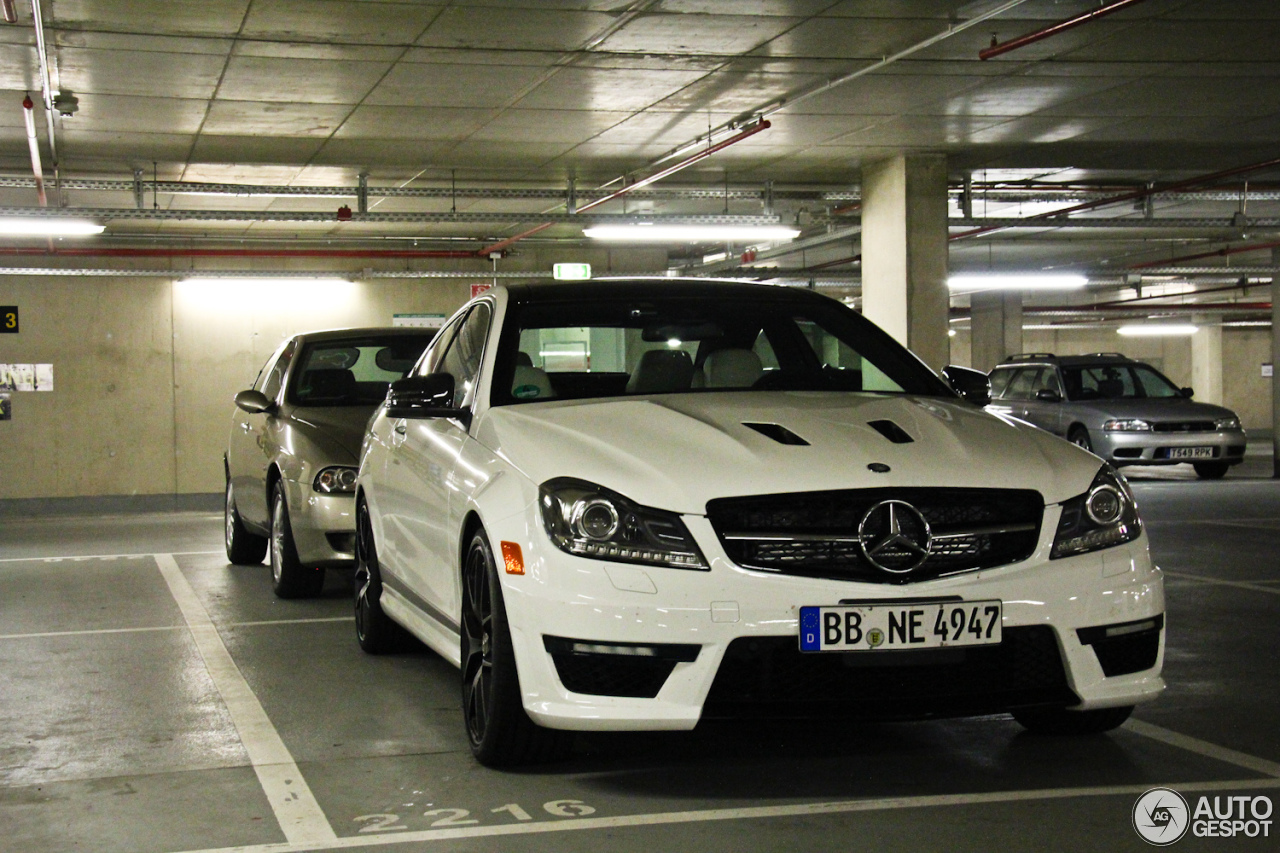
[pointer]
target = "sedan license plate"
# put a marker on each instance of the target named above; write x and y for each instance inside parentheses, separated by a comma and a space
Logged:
(1190, 452)
(894, 627)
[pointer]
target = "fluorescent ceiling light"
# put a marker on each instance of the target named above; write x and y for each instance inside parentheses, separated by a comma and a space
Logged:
(1015, 281)
(222, 280)
(1156, 330)
(642, 233)
(52, 226)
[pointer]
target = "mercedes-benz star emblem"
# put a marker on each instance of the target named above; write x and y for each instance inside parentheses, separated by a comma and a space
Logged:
(894, 537)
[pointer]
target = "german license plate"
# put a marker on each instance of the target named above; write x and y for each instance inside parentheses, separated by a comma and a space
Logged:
(894, 627)
(1190, 452)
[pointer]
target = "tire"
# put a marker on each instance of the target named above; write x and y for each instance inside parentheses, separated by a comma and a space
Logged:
(289, 578)
(375, 632)
(243, 548)
(498, 729)
(1210, 470)
(1079, 436)
(1059, 721)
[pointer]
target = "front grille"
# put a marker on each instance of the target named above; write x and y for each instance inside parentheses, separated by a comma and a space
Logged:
(612, 675)
(815, 534)
(771, 677)
(1183, 426)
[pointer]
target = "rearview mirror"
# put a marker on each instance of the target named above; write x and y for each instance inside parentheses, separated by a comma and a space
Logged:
(254, 402)
(1187, 392)
(972, 385)
(428, 396)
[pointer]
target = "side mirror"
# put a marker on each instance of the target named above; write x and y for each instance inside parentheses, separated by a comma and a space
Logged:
(973, 385)
(254, 402)
(1048, 395)
(1187, 392)
(428, 396)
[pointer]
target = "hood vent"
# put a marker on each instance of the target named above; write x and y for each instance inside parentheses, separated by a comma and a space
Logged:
(779, 433)
(891, 431)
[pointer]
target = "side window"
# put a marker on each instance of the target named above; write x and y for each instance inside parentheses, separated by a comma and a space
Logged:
(1000, 381)
(436, 350)
(1020, 387)
(462, 358)
(1047, 380)
(275, 378)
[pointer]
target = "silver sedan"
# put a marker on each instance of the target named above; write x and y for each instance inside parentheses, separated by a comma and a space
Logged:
(294, 448)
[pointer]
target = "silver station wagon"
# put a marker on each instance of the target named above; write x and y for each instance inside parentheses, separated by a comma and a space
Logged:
(1123, 410)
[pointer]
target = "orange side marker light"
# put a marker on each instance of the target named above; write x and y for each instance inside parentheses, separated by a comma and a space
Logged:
(513, 558)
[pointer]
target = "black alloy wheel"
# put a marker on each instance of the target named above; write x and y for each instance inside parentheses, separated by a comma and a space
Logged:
(500, 732)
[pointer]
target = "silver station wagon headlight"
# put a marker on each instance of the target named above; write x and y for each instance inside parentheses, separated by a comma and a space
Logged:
(587, 520)
(1226, 423)
(1104, 516)
(1132, 425)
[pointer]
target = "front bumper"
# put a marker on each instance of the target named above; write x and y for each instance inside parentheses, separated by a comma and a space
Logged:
(665, 613)
(1160, 448)
(324, 526)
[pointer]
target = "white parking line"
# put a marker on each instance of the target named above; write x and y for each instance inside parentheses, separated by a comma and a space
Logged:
(1255, 587)
(86, 557)
(1204, 747)
(45, 634)
(749, 813)
(299, 815)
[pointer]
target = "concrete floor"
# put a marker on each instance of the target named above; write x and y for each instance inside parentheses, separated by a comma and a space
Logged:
(155, 698)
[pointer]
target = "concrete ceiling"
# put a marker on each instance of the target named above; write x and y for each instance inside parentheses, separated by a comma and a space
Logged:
(502, 96)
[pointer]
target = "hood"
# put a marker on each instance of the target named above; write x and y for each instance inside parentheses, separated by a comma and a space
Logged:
(1158, 409)
(677, 452)
(337, 430)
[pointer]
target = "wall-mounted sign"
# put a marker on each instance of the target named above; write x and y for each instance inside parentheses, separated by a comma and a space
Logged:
(9, 319)
(418, 321)
(477, 289)
(571, 272)
(1267, 370)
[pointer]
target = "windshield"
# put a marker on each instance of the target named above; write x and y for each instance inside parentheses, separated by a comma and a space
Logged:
(695, 345)
(355, 371)
(1117, 382)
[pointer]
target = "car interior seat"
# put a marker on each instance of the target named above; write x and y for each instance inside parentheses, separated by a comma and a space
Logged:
(531, 383)
(662, 371)
(732, 368)
(328, 384)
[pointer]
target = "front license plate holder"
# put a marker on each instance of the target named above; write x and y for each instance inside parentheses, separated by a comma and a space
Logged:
(1190, 452)
(886, 627)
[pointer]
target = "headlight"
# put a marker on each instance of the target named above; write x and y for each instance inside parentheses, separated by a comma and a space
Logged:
(590, 521)
(336, 480)
(1127, 426)
(1104, 516)
(1227, 423)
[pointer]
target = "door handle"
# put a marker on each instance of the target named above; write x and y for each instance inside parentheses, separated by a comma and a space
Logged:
(399, 429)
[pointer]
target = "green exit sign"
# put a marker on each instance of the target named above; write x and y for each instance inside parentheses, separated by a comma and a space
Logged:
(571, 272)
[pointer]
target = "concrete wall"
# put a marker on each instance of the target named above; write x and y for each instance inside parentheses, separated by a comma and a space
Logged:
(145, 368)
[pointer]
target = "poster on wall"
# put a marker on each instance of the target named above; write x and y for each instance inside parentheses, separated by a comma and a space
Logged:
(418, 321)
(6, 407)
(26, 377)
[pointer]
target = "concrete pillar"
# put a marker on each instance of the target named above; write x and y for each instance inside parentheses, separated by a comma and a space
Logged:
(1206, 360)
(996, 321)
(1275, 380)
(904, 252)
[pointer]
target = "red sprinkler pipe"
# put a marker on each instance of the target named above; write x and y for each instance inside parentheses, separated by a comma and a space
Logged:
(763, 124)
(241, 253)
(1060, 27)
(1130, 196)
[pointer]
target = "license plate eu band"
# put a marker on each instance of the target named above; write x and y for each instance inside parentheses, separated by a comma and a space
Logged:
(1190, 452)
(895, 627)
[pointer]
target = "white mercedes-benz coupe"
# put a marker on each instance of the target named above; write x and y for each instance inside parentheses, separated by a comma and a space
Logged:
(635, 504)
